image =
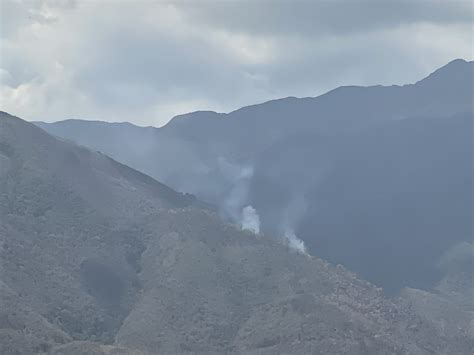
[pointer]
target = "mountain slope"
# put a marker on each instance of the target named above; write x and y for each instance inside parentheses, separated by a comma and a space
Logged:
(69, 223)
(244, 132)
(361, 174)
(153, 271)
(400, 191)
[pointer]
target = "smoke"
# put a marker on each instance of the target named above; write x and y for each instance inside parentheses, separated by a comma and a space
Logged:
(291, 217)
(238, 179)
(295, 243)
(232, 208)
(250, 220)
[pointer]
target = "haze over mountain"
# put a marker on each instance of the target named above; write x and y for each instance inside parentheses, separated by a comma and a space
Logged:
(93, 252)
(376, 178)
(236, 177)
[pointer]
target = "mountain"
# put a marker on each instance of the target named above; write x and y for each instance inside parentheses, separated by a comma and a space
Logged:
(365, 176)
(69, 227)
(98, 258)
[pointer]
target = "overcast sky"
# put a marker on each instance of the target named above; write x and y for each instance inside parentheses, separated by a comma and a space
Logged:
(146, 61)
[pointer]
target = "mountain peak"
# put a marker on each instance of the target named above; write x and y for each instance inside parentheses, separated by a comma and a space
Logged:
(455, 71)
(458, 61)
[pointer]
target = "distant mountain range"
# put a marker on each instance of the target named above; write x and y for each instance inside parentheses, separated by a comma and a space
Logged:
(376, 178)
(98, 258)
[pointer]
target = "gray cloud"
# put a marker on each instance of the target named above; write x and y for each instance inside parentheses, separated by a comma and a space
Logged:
(309, 18)
(147, 61)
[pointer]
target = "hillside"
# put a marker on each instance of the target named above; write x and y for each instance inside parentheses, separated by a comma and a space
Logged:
(361, 174)
(94, 253)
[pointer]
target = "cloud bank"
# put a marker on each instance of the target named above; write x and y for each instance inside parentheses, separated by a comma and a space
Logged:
(146, 61)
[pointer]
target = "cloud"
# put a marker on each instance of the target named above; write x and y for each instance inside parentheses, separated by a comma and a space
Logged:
(316, 18)
(148, 61)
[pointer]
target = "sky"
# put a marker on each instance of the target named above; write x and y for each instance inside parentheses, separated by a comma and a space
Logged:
(147, 61)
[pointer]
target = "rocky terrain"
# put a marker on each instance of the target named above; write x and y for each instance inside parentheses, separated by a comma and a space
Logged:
(97, 258)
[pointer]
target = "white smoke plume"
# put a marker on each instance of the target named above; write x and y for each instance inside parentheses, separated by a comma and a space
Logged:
(295, 243)
(250, 220)
(238, 178)
(290, 219)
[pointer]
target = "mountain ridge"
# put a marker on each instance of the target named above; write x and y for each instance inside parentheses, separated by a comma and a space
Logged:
(293, 147)
(447, 68)
(103, 276)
